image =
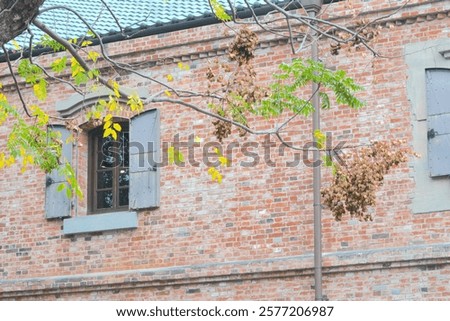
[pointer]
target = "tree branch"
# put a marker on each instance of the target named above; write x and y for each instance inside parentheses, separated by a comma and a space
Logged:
(19, 92)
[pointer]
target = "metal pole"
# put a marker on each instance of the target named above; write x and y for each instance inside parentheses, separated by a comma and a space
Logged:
(316, 171)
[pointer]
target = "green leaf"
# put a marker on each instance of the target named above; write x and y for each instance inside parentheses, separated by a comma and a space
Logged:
(175, 156)
(31, 73)
(60, 187)
(219, 11)
(288, 88)
(69, 193)
(47, 42)
(59, 64)
(93, 73)
(325, 100)
(327, 160)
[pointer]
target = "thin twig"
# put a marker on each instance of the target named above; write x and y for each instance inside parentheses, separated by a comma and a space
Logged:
(11, 71)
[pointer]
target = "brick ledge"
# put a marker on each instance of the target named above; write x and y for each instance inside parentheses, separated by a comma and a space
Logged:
(424, 257)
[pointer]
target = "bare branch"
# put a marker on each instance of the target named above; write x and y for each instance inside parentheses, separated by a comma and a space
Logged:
(11, 71)
(73, 52)
(205, 112)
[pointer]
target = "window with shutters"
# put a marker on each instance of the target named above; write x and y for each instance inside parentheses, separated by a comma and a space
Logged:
(123, 177)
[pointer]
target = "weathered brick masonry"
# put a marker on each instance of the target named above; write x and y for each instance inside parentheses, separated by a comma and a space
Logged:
(250, 237)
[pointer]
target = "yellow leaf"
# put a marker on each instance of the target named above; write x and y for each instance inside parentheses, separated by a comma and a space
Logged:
(135, 103)
(16, 45)
(171, 155)
(168, 93)
(93, 55)
(224, 161)
(10, 161)
(116, 89)
(114, 134)
(107, 124)
(169, 77)
(107, 132)
(107, 118)
(2, 97)
(320, 138)
(215, 175)
(40, 89)
(29, 159)
(197, 139)
(183, 66)
(112, 104)
(117, 127)
(86, 43)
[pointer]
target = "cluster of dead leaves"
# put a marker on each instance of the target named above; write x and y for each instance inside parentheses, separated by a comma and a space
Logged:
(355, 184)
(235, 80)
(365, 32)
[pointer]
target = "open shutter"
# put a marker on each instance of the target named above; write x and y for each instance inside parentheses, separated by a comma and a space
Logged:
(144, 155)
(57, 204)
(438, 106)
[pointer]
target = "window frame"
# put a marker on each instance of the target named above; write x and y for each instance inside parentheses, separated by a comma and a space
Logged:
(430, 194)
(93, 137)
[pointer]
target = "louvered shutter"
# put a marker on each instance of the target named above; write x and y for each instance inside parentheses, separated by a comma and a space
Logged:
(144, 155)
(57, 204)
(438, 106)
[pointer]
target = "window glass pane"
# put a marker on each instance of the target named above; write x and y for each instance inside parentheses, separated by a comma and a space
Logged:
(107, 154)
(123, 196)
(124, 177)
(104, 179)
(112, 153)
(126, 146)
(104, 199)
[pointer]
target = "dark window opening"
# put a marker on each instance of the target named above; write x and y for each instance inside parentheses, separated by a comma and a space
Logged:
(109, 170)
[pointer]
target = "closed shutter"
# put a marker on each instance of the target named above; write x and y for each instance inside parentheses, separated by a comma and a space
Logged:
(57, 204)
(438, 106)
(144, 155)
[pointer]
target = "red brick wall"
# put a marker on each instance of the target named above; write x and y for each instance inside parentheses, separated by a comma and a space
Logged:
(250, 237)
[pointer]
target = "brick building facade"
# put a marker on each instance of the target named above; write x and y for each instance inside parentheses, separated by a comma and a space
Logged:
(250, 237)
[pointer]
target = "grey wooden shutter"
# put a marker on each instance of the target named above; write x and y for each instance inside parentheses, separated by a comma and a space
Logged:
(144, 155)
(57, 204)
(438, 106)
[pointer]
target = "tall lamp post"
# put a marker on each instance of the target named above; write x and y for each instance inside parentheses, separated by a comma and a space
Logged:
(313, 8)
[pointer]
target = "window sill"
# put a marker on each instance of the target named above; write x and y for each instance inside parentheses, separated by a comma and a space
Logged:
(100, 223)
